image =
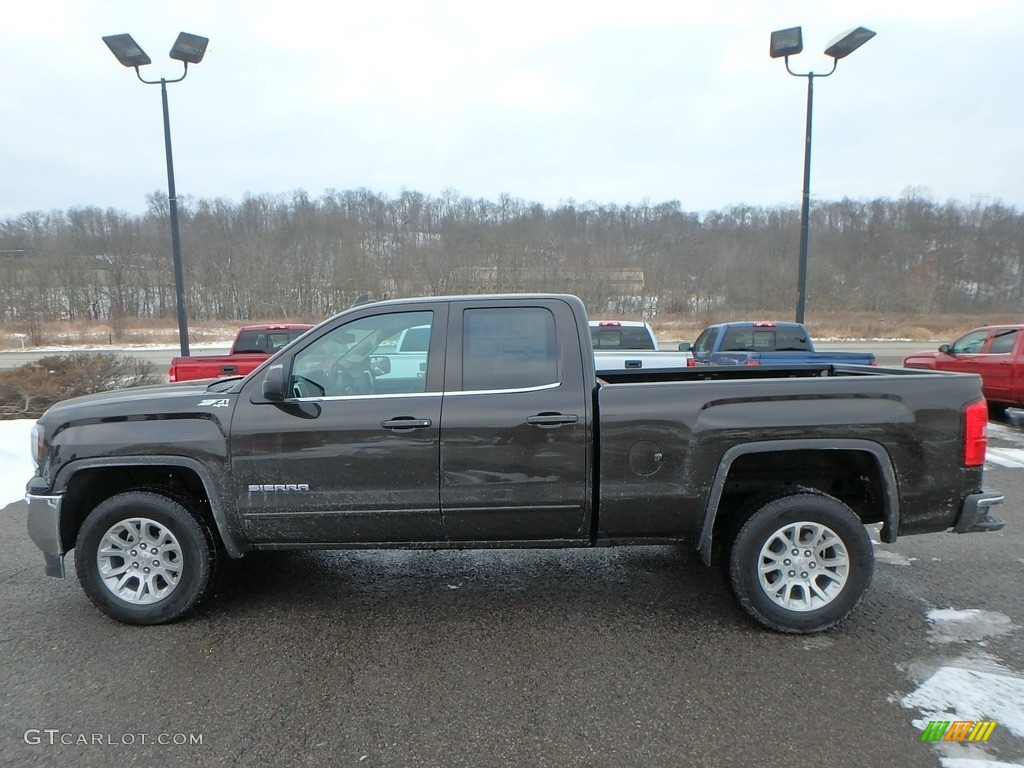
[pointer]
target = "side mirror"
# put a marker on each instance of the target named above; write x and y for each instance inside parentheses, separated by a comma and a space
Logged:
(685, 346)
(274, 384)
(945, 349)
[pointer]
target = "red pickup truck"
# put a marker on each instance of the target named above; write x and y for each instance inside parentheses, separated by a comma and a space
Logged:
(994, 352)
(252, 346)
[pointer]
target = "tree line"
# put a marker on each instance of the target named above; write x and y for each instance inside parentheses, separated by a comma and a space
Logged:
(302, 258)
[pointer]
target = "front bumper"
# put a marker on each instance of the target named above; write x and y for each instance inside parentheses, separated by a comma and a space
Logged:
(974, 514)
(44, 530)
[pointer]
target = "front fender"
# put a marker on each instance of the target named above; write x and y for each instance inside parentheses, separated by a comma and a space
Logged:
(234, 540)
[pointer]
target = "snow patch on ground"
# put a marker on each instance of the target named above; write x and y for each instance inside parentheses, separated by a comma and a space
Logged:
(892, 558)
(818, 643)
(206, 348)
(15, 462)
(995, 429)
(953, 626)
(1005, 457)
(831, 339)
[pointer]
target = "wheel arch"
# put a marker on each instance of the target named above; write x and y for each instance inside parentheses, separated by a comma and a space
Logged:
(873, 457)
(87, 483)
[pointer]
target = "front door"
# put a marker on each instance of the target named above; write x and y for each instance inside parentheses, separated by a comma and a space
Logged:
(965, 354)
(351, 457)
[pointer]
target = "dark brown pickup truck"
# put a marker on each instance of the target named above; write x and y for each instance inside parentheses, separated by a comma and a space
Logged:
(505, 435)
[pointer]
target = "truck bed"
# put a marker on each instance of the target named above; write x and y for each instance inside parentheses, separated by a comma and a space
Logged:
(903, 418)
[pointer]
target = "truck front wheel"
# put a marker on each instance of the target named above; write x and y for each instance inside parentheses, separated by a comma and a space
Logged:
(145, 558)
(801, 562)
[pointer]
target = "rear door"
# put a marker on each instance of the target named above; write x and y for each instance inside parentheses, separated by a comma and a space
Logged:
(515, 443)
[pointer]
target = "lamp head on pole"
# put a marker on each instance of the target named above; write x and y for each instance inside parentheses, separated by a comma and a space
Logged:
(846, 44)
(189, 48)
(127, 51)
(786, 42)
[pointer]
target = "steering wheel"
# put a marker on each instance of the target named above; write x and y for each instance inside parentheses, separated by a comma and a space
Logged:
(344, 382)
(348, 383)
(304, 387)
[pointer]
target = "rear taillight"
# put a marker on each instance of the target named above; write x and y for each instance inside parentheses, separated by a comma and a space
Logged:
(975, 433)
(691, 363)
(752, 362)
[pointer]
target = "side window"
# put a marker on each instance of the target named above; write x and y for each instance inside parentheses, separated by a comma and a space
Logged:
(970, 344)
(508, 348)
(703, 342)
(1003, 342)
(415, 339)
(362, 357)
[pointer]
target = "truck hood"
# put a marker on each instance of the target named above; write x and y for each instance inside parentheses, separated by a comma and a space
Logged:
(177, 400)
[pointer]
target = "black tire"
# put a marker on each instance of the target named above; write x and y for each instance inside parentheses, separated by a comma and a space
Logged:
(169, 582)
(801, 593)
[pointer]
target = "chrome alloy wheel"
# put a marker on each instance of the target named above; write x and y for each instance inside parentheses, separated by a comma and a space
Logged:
(139, 560)
(803, 566)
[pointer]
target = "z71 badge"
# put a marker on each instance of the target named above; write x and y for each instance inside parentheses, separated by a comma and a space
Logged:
(219, 403)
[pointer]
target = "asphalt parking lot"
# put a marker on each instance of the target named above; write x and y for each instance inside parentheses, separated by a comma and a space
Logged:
(634, 656)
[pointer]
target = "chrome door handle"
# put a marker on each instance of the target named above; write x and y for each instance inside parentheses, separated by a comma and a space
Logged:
(406, 422)
(550, 420)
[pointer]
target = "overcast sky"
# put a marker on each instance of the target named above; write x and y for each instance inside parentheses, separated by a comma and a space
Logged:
(611, 102)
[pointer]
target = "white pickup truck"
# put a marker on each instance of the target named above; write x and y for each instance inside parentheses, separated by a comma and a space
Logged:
(620, 344)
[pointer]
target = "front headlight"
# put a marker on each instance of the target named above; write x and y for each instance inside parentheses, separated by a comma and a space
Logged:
(38, 446)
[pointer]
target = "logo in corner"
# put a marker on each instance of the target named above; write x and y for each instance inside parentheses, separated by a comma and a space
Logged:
(958, 730)
(223, 402)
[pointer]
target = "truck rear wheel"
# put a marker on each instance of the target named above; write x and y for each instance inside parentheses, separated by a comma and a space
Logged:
(145, 558)
(801, 562)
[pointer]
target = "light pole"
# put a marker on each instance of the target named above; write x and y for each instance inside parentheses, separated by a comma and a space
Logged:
(786, 43)
(188, 49)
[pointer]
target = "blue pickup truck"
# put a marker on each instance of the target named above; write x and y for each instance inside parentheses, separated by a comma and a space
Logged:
(765, 343)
